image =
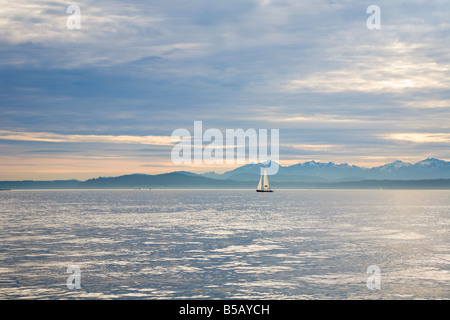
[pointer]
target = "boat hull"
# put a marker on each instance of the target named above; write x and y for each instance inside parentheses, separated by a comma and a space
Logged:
(264, 190)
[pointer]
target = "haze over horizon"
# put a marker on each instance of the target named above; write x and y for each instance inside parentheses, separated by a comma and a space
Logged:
(104, 100)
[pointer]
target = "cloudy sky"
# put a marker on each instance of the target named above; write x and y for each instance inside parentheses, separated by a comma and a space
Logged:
(104, 100)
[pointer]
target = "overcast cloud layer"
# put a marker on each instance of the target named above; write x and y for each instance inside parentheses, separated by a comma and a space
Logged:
(103, 100)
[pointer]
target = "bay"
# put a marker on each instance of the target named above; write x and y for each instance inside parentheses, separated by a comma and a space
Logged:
(225, 244)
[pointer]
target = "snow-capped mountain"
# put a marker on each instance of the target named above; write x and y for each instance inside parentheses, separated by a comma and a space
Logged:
(313, 171)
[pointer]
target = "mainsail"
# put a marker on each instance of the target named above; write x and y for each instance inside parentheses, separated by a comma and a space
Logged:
(260, 183)
(265, 180)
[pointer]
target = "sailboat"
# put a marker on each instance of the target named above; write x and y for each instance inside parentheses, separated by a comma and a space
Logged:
(263, 185)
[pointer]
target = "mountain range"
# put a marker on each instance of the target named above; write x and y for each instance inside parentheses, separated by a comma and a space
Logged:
(313, 171)
(426, 174)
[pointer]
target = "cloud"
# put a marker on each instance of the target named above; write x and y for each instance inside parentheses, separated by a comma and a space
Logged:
(312, 147)
(419, 137)
(391, 68)
(104, 25)
(325, 118)
(68, 138)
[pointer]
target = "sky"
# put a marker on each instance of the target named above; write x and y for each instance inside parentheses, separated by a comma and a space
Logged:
(103, 100)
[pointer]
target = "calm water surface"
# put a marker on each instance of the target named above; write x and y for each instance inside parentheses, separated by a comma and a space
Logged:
(225, 244)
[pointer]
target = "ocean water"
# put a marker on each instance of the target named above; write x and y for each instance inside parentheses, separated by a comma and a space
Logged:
(225, 244)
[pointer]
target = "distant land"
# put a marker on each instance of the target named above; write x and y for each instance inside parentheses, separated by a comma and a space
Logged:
(426, 174)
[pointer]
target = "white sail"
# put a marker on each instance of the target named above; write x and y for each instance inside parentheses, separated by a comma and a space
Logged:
(265, 181)
(263, 185)
(260, 183)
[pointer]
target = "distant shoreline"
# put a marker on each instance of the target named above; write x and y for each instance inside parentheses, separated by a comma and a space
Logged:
(423, 188)
(180, 181)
